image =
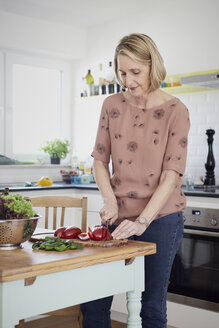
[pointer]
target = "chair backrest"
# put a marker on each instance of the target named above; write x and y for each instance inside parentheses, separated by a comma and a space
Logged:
(61, 202)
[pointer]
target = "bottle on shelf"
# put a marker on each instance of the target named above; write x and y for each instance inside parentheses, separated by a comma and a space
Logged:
(89, 169)
(106, 82)
(90, 83)
(81, 168)
(89, 78)
(101, 80)
(88, 165)
(110, 80)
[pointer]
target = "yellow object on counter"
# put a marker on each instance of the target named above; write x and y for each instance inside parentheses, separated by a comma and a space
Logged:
(45, 182)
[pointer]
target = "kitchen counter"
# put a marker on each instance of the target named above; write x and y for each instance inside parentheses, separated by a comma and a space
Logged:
(197, 192)
(200, 192)
(56, 185)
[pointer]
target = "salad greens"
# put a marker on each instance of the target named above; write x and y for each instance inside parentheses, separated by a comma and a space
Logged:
(15, 207)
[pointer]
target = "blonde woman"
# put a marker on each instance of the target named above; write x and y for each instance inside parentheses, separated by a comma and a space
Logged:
(144, 132)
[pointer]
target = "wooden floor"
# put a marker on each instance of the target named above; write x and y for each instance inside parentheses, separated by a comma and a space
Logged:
(63, 322)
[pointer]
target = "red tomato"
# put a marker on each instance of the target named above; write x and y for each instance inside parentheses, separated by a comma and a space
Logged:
(59, 232)
(71, 232)
(99, 232)
(83, 236)
(108, 235)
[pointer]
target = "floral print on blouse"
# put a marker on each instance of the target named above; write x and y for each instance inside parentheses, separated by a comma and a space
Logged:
(141, 143)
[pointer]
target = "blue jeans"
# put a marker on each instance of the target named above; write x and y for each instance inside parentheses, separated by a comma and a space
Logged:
(167, 233)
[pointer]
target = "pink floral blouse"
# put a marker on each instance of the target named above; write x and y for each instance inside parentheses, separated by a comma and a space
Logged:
(142, 142)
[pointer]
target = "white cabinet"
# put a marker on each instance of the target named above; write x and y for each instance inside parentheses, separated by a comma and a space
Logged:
(203, 202)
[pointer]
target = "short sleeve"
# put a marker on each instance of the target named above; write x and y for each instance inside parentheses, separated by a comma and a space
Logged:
(102, 147)
(176, 149)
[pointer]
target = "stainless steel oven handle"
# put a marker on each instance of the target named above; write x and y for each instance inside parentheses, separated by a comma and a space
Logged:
(202, 233)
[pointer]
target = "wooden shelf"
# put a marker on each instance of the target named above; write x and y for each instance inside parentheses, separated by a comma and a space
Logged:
(171, 90)
(175, 79)
(185, 89)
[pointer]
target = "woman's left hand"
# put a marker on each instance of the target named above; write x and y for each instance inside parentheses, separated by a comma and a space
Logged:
(128, 228)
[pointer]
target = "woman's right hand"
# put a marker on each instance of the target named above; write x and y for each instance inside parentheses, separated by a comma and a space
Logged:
(109, 213)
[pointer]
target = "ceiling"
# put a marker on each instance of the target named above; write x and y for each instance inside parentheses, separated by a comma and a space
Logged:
(83, 14)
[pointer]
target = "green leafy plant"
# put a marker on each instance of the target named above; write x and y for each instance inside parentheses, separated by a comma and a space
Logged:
(56, 148)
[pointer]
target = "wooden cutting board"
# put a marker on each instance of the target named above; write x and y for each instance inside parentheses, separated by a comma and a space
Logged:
(107, 243)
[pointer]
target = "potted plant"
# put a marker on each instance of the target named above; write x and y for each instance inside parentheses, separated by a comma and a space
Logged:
(57, 150)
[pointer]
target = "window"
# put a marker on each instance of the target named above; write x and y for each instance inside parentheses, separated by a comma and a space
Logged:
(37, 105)
(37, 108)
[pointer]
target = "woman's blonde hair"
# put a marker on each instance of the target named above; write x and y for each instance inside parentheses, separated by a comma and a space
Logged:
(142, 49)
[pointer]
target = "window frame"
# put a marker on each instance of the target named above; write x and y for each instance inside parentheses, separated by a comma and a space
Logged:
(6, 126)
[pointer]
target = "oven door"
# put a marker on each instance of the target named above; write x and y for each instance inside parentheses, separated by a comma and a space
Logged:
(195, 273)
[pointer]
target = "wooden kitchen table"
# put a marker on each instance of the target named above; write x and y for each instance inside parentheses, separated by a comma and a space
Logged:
(35, 282)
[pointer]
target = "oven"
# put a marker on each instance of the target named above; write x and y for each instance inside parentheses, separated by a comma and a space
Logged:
(194, 277)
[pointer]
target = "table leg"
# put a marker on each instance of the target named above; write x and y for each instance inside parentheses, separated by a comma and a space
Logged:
(134, 308)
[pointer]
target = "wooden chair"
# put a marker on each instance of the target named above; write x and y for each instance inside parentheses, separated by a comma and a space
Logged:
(62, 202)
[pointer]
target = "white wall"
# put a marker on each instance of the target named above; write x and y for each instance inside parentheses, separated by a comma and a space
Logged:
(39, 36)
(186, 33)
(204, 114)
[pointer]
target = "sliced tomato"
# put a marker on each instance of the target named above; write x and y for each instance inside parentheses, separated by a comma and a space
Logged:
(104, 232)
(59, 232)
(84, 236)
(98, 233)
(101, 233)
(71, 232)
(90, 233)
(108, 235)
